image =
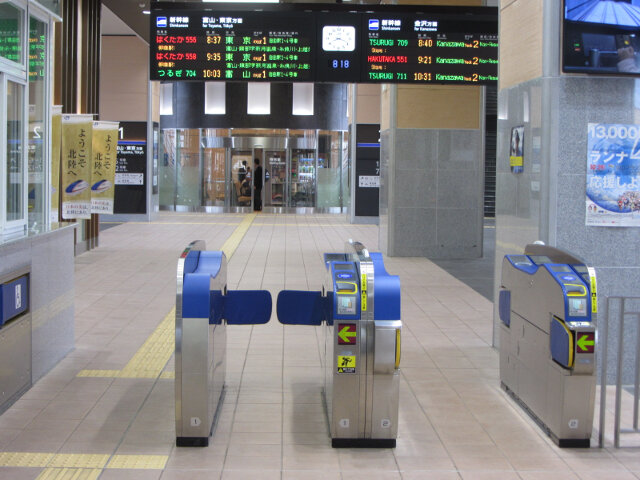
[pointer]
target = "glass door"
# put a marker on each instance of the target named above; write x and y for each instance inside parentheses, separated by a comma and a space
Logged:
(302, 178)
(241, 169)
(188, 173)
(167, 168)
(15, 118)
(275, 178)
(213, 184)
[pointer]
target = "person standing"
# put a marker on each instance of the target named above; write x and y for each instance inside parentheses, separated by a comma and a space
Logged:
(257, 186)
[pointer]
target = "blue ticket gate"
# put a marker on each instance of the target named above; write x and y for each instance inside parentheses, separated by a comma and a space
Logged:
(359, 310)
(204, 307)
(548, 310)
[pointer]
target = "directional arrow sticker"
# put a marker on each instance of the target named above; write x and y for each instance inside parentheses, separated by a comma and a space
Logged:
(347, 334)
(585, 342)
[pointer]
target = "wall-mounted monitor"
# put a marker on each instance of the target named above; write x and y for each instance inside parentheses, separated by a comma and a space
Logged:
(601, 37)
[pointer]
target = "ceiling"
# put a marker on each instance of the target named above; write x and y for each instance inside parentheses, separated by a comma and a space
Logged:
(125, 17)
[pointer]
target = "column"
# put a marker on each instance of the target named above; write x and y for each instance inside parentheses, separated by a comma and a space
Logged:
(547, 201)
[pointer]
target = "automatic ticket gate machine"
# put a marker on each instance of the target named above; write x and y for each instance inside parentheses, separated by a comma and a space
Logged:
(204, 307)
(359, 309)
(548, 310)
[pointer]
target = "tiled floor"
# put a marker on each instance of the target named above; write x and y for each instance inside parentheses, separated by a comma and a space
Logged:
(455, 422)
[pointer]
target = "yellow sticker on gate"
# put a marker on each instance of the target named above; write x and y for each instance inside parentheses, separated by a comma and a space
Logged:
(363, 292)
(346, 364)
(594, 289)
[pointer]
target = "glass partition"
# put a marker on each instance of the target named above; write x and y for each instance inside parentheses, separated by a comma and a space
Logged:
(198, 168)
(346, 172)
(275, 172)
(15, 151)
(38, 131)
(25, 112)
(241, 188)
(303, 178)
(329, 174)
(11, 28)
(188, 172)
(213, 176)
(167, 168)
(214, 160)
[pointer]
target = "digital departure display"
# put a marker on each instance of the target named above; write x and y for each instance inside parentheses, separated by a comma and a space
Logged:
(429, 49)
(233, 46)
(324, 43)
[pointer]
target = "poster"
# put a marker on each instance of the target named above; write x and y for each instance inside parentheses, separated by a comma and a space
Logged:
(76, 166)
(103, 167)
(131, 169)
(613, 175)
(56, 136)
(516, 157)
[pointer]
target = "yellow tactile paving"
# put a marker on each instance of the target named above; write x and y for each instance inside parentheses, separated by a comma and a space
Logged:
(69, 474)
(147, 462)
(79, 460)
(98, 373)
(168, 375)
(25, 459)
(233, 241)
(310, 225)
(150, 360)
(180, 223)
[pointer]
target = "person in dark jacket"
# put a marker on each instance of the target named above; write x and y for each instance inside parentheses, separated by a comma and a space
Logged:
(257, 186)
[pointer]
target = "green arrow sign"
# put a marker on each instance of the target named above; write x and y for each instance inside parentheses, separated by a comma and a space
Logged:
(585, 341)
(346, 335)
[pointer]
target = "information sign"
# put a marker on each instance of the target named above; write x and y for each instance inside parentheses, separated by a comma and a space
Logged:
(324, 43)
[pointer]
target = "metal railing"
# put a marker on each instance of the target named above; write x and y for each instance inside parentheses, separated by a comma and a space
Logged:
(624, 308)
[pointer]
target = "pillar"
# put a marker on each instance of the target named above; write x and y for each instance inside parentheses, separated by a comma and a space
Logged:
(547, 201)
(432, 170)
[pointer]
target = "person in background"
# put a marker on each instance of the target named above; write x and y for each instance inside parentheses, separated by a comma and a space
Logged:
(242, 171)
(257, 186)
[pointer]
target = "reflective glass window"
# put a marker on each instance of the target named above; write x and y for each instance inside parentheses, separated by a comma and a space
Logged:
(14, 151)
(37, 124)
(11, 45)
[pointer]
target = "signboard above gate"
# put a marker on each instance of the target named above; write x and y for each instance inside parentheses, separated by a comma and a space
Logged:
(324, 43)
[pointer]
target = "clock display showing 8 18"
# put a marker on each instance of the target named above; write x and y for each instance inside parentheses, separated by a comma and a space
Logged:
(339, 40)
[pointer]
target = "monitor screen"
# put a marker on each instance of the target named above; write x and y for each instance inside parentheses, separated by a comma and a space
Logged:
(601, 37)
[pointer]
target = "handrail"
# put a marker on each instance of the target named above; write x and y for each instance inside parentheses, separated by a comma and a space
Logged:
(623, 311)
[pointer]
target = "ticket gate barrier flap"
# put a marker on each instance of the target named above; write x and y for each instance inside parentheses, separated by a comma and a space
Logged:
(504, 306)
(547, 340)
(247, 307)
(298, 307)
(561, 343)
(202, 303)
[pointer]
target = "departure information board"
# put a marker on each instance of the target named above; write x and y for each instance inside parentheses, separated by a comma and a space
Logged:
(324, 43)
(428, 49)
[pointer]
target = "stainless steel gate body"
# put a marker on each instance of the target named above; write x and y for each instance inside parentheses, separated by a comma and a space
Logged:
(203, 306)
(360, 310)
(547, 340)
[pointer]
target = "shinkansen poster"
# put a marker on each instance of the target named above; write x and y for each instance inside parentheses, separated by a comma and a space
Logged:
(613, 175)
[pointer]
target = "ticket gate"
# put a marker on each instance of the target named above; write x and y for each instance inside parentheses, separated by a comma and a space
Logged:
(548, 310)
(359, 312)
(204, 307)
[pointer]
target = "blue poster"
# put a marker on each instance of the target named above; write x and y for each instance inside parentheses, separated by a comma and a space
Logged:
(613, 175)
